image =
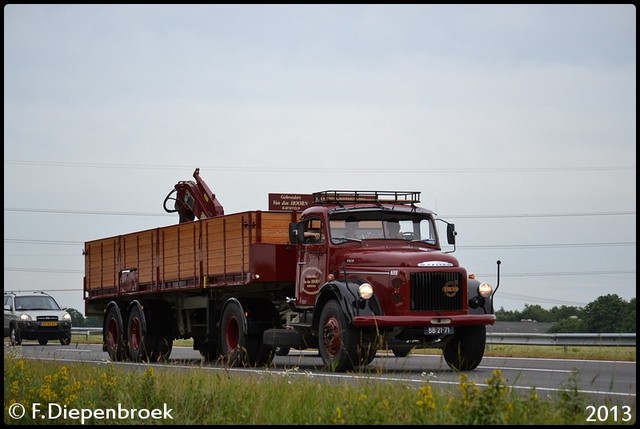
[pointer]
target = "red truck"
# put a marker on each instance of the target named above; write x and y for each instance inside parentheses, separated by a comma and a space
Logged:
(353, 273)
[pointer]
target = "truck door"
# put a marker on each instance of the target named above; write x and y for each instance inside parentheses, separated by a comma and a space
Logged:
(312, 262)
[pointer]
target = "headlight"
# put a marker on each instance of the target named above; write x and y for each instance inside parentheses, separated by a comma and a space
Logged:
(484, 290)
(25, 318)
(66, 317)
(365, 291)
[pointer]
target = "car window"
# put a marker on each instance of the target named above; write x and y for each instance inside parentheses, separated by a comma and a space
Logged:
(36, 303)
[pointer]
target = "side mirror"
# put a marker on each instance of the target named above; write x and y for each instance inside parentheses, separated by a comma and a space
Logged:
(7, 308)
(451, 233)
(295, 233)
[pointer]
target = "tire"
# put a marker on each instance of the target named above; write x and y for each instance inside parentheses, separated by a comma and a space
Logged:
(282, 351)
(466, 349)
(66, 339)
(114, 340)
(14, 336)
(42, 341)
(234, 342)
(337, 340)
(164, 345)
(399, 352)
(142, 346)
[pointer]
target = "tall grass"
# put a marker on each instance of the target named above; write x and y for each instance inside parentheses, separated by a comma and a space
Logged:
(196, 397)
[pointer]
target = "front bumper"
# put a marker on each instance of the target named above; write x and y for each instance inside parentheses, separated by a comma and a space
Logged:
(35, 330)
(424, 321)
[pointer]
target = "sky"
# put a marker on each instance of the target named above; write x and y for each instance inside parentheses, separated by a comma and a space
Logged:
(515, 122)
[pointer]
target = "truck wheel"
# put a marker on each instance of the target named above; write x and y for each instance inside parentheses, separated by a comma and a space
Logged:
(141, 345)
(398, 352)
(114, 335)
(65, 340)
(282, 351)
(164, 345)
(14, 336)
(337, 339)
(466, 349)
(42, 341)
(233, 335)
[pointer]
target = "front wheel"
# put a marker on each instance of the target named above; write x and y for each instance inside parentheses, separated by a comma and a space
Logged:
(337, 339)
(42, 341)
(400, 352)
(65, 340)
(14, 336)
(466, 349)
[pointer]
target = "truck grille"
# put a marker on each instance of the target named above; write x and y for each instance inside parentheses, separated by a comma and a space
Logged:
(428, 291)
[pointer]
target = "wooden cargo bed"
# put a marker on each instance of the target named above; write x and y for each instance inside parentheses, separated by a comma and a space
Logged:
(230, 250)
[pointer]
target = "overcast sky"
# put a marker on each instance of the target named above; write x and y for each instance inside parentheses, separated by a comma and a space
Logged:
(515, 122)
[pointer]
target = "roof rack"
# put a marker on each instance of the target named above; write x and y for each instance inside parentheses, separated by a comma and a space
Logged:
(380, 197)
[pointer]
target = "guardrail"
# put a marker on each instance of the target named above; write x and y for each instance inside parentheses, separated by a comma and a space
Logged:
(561, 339)
(510, 338)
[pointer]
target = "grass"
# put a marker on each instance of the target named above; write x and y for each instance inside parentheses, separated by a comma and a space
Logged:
(90, 393)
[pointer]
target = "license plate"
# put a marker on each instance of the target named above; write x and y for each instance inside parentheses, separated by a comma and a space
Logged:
(438, 330)
(49, 324)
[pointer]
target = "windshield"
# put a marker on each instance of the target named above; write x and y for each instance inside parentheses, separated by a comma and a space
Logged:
(379, 225)
(36, 303)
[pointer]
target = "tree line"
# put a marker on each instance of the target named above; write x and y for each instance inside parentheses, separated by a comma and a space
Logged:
(607, 314)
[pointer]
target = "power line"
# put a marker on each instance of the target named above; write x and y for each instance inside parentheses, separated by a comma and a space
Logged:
(475, 216)
(84, 212)
(322, 169)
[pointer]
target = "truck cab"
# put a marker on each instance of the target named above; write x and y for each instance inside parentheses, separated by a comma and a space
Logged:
(371, 272)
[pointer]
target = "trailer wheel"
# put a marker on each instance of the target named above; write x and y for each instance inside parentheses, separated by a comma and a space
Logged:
(337, 339)
(466, 349)
(233, 335)
(114, 335)
(142, 346)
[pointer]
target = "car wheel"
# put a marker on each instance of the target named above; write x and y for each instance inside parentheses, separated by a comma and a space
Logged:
(66, 339)
(43, 341)
(14, 336)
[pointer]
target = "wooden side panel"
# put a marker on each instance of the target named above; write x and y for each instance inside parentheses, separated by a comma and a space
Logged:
(101, 264)
(146, 265)
(225, 242)
(210, 252)
(274, 227)
(169, 253)
(188, 251)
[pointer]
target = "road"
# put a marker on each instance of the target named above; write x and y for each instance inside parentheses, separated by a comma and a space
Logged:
(604, 381)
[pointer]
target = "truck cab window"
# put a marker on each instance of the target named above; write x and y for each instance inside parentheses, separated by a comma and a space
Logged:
(313, 231)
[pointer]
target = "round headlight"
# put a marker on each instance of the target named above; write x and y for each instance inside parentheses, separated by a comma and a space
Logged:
(66, 316)
(485, 289)
(25, 317)
(365, 290)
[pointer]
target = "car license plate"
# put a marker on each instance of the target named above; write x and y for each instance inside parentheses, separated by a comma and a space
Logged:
(49, 324)
(438, 330)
